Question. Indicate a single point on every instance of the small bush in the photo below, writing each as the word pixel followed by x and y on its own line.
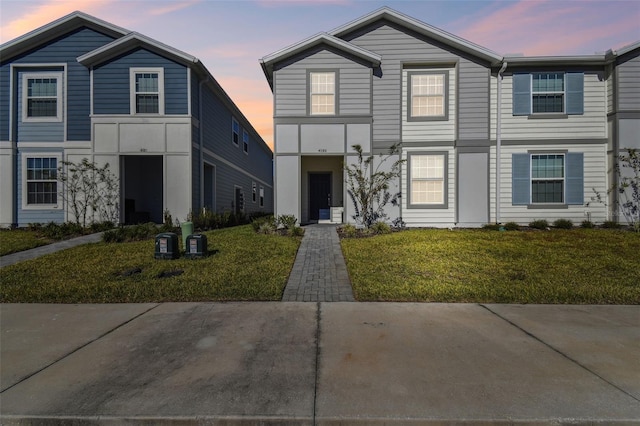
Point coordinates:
pixel 296 231
pixel 587 224
pixel 539 224
pixel 511 226
pixel 491 226
pixel 611 224
pixel 380 228
pixel 287 221
pixel 563 224
pixel 263 223
pixel 348 230
pixel 123 234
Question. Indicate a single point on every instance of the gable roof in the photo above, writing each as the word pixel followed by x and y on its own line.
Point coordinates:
pixel 132 41
pixel 420 27
pixel 319 39
pixel 56 29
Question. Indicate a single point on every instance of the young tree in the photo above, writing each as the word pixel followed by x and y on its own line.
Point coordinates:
pixel 368 185
pixel 89 190
pixel 627 187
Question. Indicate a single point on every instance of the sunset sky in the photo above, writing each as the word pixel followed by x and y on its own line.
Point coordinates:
pixel 229 37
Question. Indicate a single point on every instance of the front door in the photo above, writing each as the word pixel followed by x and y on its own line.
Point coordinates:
pixel 319 194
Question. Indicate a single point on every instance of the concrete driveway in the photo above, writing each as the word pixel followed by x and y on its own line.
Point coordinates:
pixel 324 364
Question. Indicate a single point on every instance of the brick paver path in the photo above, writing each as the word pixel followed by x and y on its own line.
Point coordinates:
pixel 319 273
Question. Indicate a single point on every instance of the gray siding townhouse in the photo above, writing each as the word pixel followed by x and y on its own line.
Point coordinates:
pixel 486 138
pixel 81 87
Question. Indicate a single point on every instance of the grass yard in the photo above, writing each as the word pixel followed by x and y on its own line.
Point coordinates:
pixel 581 266
pixel 245 266
pixel 15 240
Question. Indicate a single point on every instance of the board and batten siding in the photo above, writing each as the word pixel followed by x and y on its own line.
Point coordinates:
pixel 628 78
pixel 595 177
pixel 590 125
pixel 399 47
pixel 431 130
pixel 111 91
pixel 353 91
pixel 438 217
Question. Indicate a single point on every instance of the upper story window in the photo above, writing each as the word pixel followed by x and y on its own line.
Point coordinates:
pixel 147 90
pixel 548 94
pixel 42 97
pixel 235 131
pixel 427 95
pixel 245 141
pixel 323 93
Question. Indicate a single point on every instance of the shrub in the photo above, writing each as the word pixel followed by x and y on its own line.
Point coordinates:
pixel 380 228
pixel 587 224
pixel 611 224
pixel 264 225
pixel 287 221
pixel 296 231
pixel 563 224
pixel 123 234
pixel 539 224
pixel 511 226
pixel 491 226
pixel 348 230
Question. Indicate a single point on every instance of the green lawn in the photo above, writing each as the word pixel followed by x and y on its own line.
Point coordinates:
pixel 15 240
pixel 579 266
pixel 246 266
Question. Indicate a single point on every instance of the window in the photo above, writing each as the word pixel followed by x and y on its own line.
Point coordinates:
pixel 261 196
pixel 235 130
pixel 245 141
pixel 547 178
pixel 253 192
pixel 427 176
pixel 41 187
pixel 547 92
pixel 323 95
pixel 147 90
pixel 42 97
pixel 427 95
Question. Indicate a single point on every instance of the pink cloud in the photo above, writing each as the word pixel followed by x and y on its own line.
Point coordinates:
pixel 173 7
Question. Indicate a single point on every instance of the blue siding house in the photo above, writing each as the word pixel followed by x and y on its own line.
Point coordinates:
pixel 81 87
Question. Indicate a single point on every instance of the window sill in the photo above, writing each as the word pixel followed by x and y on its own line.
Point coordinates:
pixel 427 206
pixel 40 207
pixel 547 116
pixel 547 206
pixel 418 119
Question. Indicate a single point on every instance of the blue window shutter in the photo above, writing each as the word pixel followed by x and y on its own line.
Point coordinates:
pixel 521 94
pixel 575 93
pixel 575 178
pixel 520 182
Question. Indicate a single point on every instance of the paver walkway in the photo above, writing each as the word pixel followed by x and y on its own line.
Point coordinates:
pixel 319 273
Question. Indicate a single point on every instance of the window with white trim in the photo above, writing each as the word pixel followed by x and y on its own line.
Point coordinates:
pixel 547 92
pixel 235 131
pixel 40 181
pixel 427 180
pixel 547 178
pixel 245 141
pixel 428 95
pixel 322 93
pixel 42 97
pixel 147 90
pixel 262 196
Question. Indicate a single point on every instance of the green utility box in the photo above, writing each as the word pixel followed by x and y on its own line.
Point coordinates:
pixel 196 247
pixel 186 228
pixel 167 246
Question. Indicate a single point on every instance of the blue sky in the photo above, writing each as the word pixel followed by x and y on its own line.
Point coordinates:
pixel 229 37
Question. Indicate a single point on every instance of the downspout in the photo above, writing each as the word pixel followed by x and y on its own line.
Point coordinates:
pixel 201 141
pixel 499 139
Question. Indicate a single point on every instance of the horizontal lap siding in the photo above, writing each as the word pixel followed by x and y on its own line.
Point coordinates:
pixel 111 91
pixel 473 101
pixel 592 124
pixel 34 131
pixel 595 168
pixel 5 72
pixel 354 91
pixel 629 84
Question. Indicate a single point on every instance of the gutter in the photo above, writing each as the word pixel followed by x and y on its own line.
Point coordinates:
pixel 499 138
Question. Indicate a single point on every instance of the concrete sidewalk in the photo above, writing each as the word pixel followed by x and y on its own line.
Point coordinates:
pixel 319 363
pixel 33 253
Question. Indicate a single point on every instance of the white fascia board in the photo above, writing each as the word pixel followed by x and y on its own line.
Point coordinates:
pixel 422 28
pixel 129 42
pixel 55 29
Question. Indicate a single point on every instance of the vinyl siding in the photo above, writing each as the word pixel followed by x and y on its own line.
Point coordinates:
pixel 473 102
pixel 34 131
pixel 62 50
pixel 591 124
pixel 629 83
pixel 354 89
pixel 430 217
pixel 595 170
pixel 111 83
pixel 397 46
